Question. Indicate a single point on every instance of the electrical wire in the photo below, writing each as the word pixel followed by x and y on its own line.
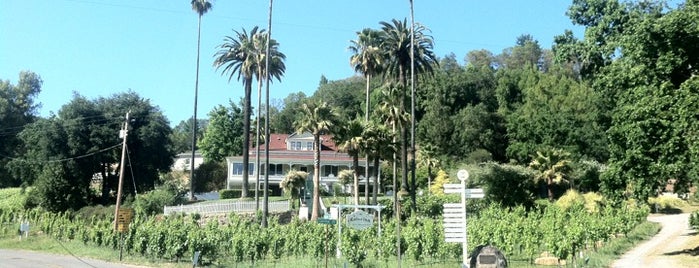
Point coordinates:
pixel 63 159
pixel 71 253
pixel 133 179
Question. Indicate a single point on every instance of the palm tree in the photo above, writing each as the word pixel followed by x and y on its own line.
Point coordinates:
pixel 378 146
pixel 277 69
pixel 238 55
pixel 427 159
pixel 316 118
pixel 348 138
pixel 406 48
pixel 391 112
pixel 292 183
pixel 201 7
pixel 552 166
pixel 367 59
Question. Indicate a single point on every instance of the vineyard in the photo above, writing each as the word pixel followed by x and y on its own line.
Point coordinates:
pixel 516 231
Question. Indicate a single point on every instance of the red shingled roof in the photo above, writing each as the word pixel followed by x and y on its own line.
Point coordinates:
pixel 277 142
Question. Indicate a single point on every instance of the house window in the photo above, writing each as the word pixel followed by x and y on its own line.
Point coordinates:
pixel 277 169
pixel 298 146
pixel 331 170
pixel 309 146
pixel 238 169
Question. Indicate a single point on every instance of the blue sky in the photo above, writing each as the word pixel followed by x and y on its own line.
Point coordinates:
pixel 102 47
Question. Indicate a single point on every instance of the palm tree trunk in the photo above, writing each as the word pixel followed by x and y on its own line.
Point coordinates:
pixel 316 177
pixel 429 178
pixel 194 118
pixel 257 139
pixel 265 208
pixel 413 185
pixel 246 137
pixel 355 163
pixel 366 120
pixel 403 136
pixel 376 179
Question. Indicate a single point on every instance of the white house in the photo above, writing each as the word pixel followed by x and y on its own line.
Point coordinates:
pixel 183 160
pixel 295 151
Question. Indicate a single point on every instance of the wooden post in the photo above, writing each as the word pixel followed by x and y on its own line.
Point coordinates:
pixel 124 133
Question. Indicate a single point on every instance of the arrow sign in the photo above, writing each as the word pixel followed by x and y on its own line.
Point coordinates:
pixel 475 193
pixel 453 188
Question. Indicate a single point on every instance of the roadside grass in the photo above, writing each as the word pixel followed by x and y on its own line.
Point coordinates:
pixel 613 250
pixel 43 243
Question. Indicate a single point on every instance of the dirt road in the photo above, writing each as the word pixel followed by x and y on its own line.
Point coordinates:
pixel 661 250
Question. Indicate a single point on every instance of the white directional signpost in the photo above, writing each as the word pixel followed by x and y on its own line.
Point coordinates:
pixel 455 213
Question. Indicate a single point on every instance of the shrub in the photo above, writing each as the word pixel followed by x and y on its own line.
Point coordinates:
pixel 509 185
pixel 571 199
pixel 593 202
pixel 666 204
pixel 228 193
pixel 694 220
pixel 586 175
pixel 152 202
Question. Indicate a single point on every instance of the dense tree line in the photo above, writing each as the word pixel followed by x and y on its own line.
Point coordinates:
pixel 623 95
pixel 62 155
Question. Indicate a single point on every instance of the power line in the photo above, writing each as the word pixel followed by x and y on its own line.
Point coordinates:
pixel 63 159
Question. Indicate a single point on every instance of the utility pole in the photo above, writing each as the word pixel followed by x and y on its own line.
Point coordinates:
pixel 123 133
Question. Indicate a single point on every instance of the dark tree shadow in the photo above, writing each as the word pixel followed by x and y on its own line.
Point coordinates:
pixel 689 251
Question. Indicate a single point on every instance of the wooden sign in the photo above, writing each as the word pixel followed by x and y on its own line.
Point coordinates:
pixel 124 217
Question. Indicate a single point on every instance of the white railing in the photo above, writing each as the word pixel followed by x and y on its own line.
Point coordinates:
pixel 225 206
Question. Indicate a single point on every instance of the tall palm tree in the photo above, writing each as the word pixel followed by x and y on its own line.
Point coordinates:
pixel 391 113
pixel 238 55
pixel 367 59
pixel 348 138
pixel 201 7
pixel 378 146
pixel 317 118
pixel 406 50
pixel 277 69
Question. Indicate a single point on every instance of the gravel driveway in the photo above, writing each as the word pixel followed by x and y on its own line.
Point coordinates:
pixel 658 251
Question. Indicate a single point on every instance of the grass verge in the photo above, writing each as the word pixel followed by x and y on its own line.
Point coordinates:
pixel 613 250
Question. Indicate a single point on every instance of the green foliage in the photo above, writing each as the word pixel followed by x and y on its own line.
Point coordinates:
pixel 572 199
pixel 13 198
pixel 508 185
pixel 586 175
pixel 69 150
pixel 292 184
pixel 210 176
pixel 559 112
pixel 437 187
pixel 666 204
pixel 182 134
pixel 152 202
pixel 228 193
pixel 694 220
pixel 283 120
pixel 17 108
pixel 224 135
